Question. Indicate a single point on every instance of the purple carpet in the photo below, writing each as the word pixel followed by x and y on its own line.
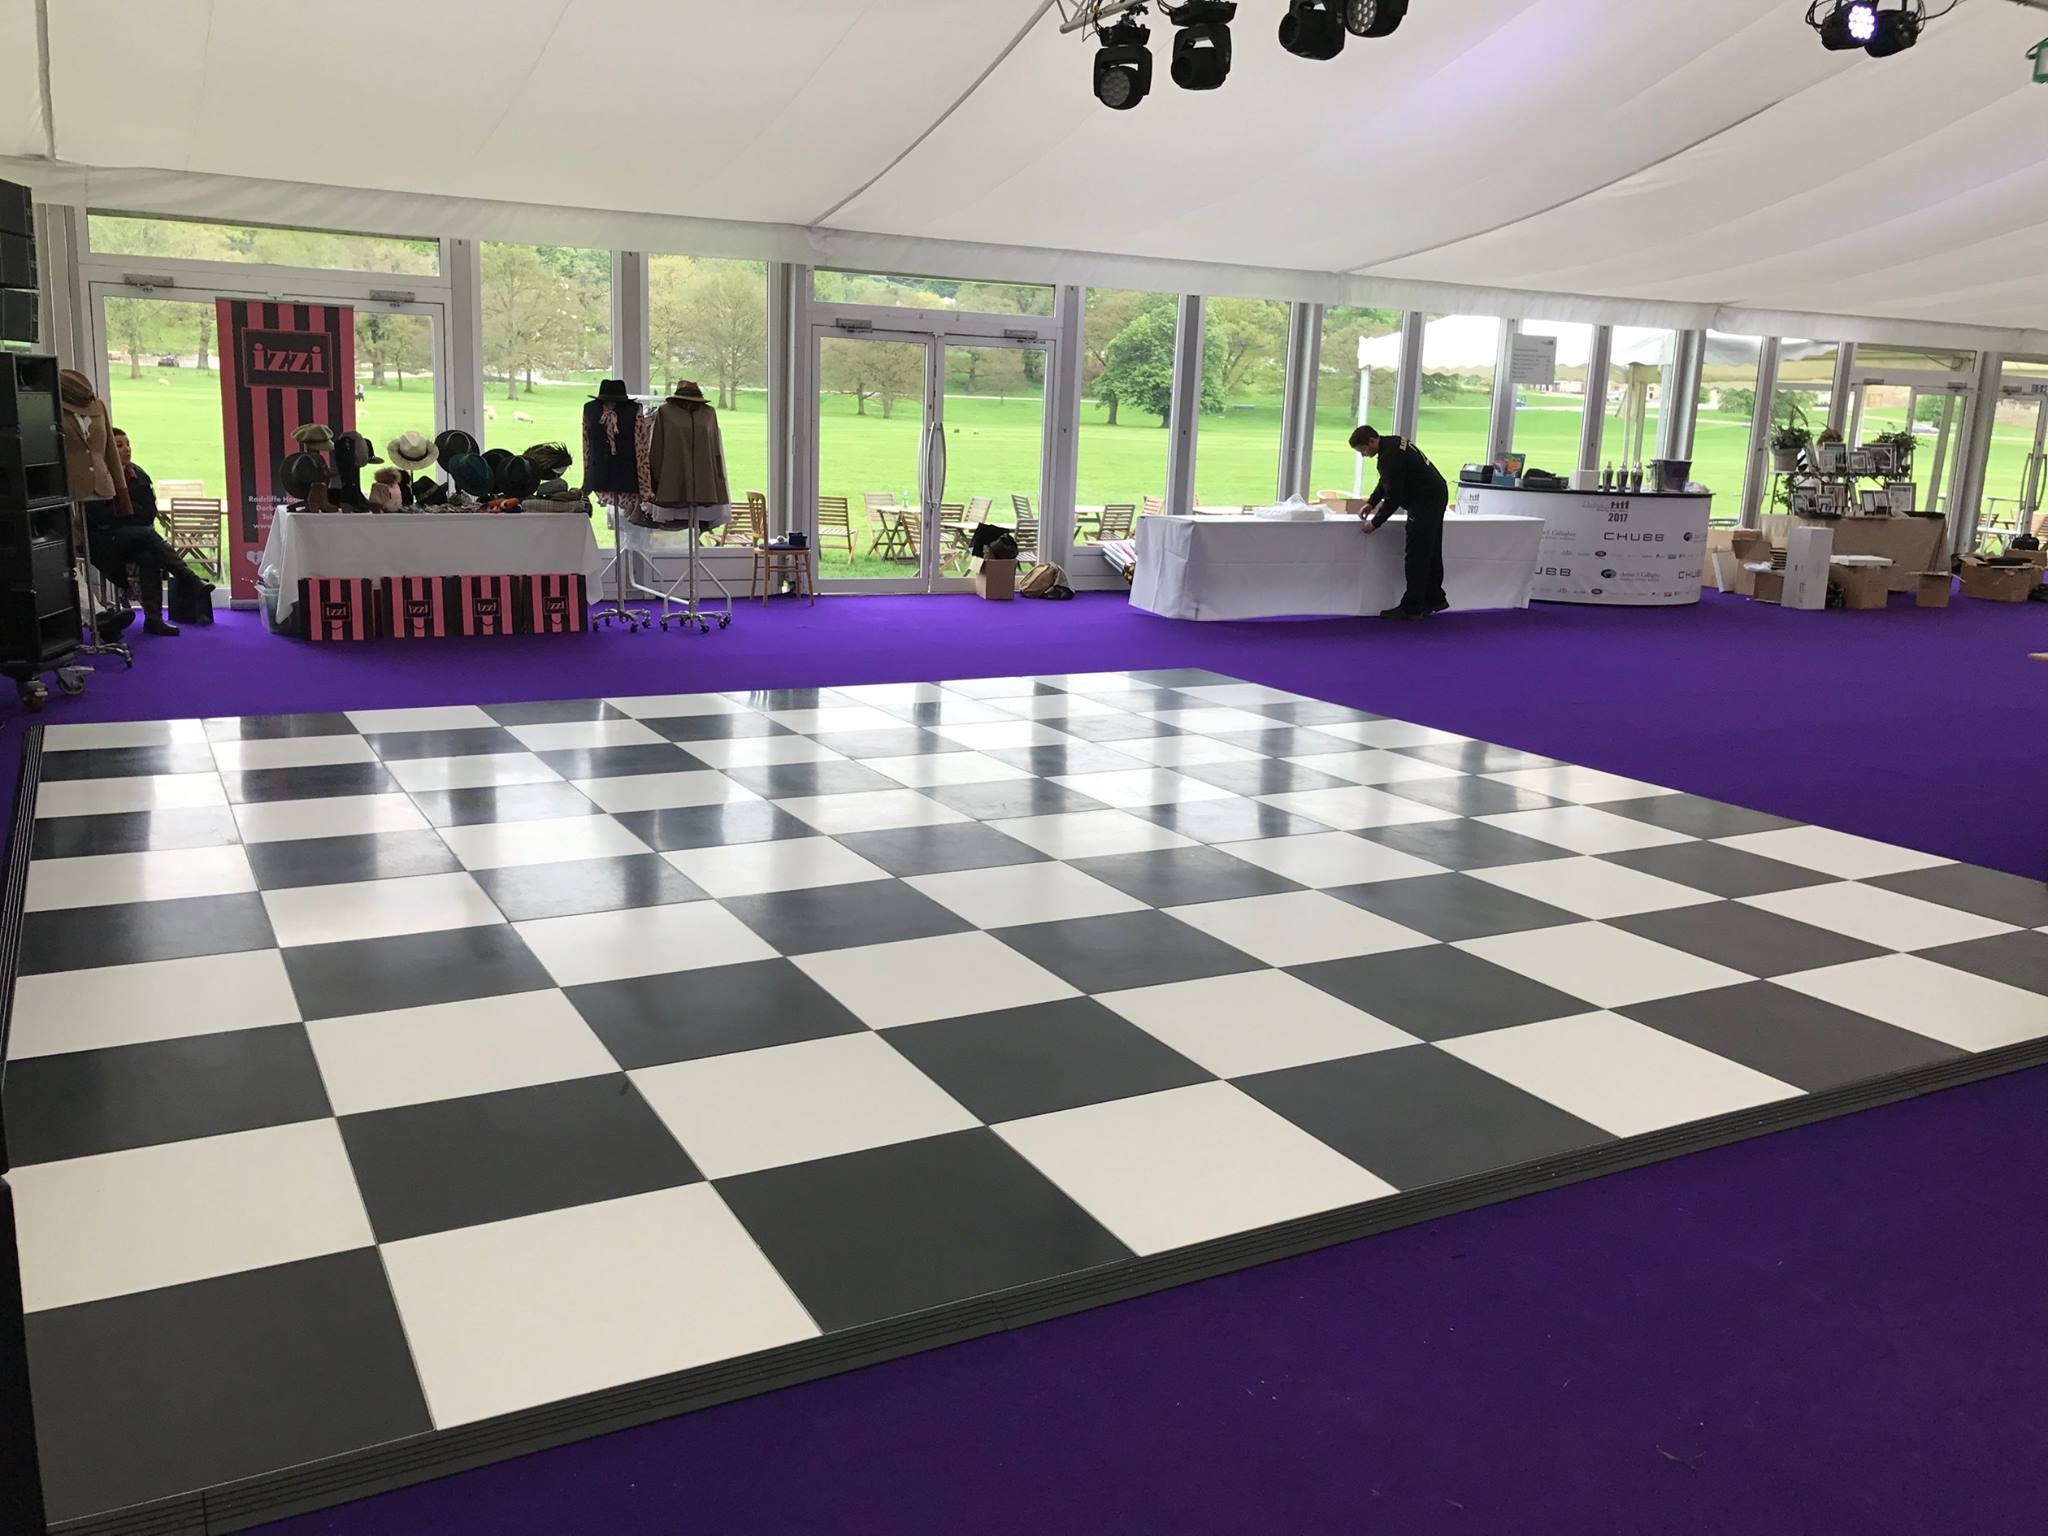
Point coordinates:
pixel 1833 1329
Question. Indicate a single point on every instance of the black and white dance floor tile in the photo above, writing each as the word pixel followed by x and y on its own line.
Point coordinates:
pixel 389 1071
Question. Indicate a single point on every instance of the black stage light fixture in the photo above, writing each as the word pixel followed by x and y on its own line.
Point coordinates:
pixel 1123 66
pixel 1893 32
pixel 1313 29
pixel 1849 25
pixel 1373 18
pixel 1201 43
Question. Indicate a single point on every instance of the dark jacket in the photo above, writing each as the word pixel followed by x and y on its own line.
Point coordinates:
pixel 1408 482
pixel 611 453
pixel 141 497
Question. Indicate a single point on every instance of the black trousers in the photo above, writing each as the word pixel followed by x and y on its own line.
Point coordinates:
pixel 113 544
pixel 1424 562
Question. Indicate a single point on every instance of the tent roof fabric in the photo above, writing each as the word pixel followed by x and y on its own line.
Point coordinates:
pixel 1623 150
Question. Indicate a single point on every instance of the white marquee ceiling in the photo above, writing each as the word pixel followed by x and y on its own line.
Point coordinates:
pixel 1698 153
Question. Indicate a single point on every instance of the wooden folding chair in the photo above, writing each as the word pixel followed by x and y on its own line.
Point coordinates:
pixel 1155 506
pixel 885 525
pixel 192 528
pixel 835 521
pixel 1027 537
pixel 1022 506
pixel 978 508
pixel 954 533
pixel 1115 522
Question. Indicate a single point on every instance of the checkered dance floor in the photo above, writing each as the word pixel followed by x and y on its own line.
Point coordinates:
pixel 377 1076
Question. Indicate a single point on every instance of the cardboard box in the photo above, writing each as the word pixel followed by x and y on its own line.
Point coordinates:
pixel 1337 501
pixel 1999 583
pixel 341 608
pixel 995 580
pixel 1809 553
pixel 1933 590
pixel 1767 586
pixel 2031 556
pixel 1863 586
pixel 1748 546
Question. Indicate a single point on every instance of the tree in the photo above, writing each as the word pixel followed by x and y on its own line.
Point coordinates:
pixel 204 319
pixel 668 279
pixel 1344 327
pixel 1003 371
pixel 1252 335
pixel 129 322
pixel 894 369
pixel 532 315
pixel 1736 402
pixel 845 374
pixel 725 326
pixel 374 336
pixel 412 346
pixel 1139 362
pixel 1109 311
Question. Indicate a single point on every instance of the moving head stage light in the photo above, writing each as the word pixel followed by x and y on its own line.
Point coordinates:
pixel 1869 25
pixel 1313 29
pixel 1201 43
pixel 1123 66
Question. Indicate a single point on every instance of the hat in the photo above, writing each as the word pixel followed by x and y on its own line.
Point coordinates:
pixel 75 387
pixel 365 450
pixel 496 457
pixel 514 477
pixel 471 474
pixel 549 458
pixel 314 437
pixel 612 389
pixel 688 393
pixel 556 489
pixel 411 450
pixel 301 472
pixel 454 441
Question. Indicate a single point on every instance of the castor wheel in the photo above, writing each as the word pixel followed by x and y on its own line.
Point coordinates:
pixel 725 621
pixel 34 695
pixel 71 680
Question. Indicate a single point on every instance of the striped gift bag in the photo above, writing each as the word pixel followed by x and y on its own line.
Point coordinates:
pixel 418 606
pixel 340 608
pixel 554 605
pixel 486 605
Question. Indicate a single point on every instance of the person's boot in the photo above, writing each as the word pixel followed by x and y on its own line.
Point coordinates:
pixel 112 621
pixel 1402 611
pixel 157 624
pixel 1441 605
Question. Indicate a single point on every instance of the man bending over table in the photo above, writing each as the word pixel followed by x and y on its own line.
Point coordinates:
pixel 1409 483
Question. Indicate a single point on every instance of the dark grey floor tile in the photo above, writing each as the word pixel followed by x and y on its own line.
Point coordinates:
pixel 79 937
pixel 1463 844
pixel 527 891
pixel 1747 939
pixel 910 741
pixel 344 860
pixel 898 1229
pixel 1183 677
pixel 1267 776
pixel 1130 949
pixel 791 698
pixel 74 837
pixel 1418 1116
pixel 412 971
pixel 684 729
pixel 2017 959
pixel 611 762
pixel 1111 729
pixel 906 851
pixel 494 1156
pixel 1012 798
pixel 1052 762
pixel 319 782
pixel 1018 1062
pixel 505 802
pixel 844 916
pixel 278 727
pixel 1454 906
pixel 796 781
pixel 552 711
pixel 1314 712
pixel 1228 821
pixel 1469 796
pixel 648 1021
pixel 86 1102
pixel 1440 992
pixel 712 826
pixel 166 1391
pixel 398 746
pixel 1173 877
pixel 1968 888
pixel 1718 869
pixel 127 762
pixel 1787 1035
pixel 956 709
pixel 1478 757
pixel 1696 816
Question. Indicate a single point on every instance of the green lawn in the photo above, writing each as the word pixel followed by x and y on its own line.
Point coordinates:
pixel 173 417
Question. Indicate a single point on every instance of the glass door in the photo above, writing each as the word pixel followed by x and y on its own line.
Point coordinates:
pixel 2016 477
pixel 993 421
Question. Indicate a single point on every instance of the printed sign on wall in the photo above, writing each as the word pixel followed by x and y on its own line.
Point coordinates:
pixel 282 366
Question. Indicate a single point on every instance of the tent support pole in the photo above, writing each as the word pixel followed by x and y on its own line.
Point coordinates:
pixel 1756 469
pixel 1593 425
pixel 1186 406
pixel 1298 403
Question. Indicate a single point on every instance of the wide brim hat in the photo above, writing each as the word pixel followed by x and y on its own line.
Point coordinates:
pixel 75 387
pixel 471 474
pixel 514 477
pixel 453 442
pixel 688 393
pixel 550 458
pixel 314 437
pixel 496 457
pixel 613 389
pixel 366 451
pixel 412 450
pixel 301 472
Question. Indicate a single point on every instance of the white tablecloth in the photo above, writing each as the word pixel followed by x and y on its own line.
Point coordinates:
pixel 306 544
pixel 1250 568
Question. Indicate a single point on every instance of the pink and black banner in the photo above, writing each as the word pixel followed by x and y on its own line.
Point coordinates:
pixel 282 366
pixel 554 605
pixel 419 606
pixel 341 607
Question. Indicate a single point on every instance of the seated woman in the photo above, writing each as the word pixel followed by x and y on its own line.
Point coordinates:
pixel 115 541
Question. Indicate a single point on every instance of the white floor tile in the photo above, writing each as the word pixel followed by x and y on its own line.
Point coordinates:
pixel 1142 787
pixel 98 880
pixel 1084 834
pixel 1013 894
pixel 993 687
pixel 1255 1021
pixel 1374 765
pixel 375 1061
pixel 378 909
pixel 1327 859
pixel 1182 751
pixel 121 1222
pixel 676 706
pixel 1833 853
pixel 762 752
pixel 664 791
pixel 146 792
pixel 836 717
pixel 884 985
pixel 893 696
pixel 779 864
pixel 871 810
pixel 1389 733
pixel 251 755
pixel 1297 927
pixel 524 1312
pixel 1581 786
pixel 557 840
pixel 1355 807
pixel 1053 706
pixel 750 1110
pixel 1217 720
pixel 928 770
pixel 1606 967
pixel 996 735
pixel 1968 1011
pixel 480 770
pixel 122 733
pixel 1624 1077
pixel 1097 682
pixel 583 735
pixel 1585 829
pixel 641 941
pixel 157 1000
pixel 277 821
pixel 449 717
pixel 1244 695
pixel 1164 1170
pixel 1878 916
pixel 1593 887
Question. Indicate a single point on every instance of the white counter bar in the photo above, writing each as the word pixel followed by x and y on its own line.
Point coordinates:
pixel 1643 550
pixel 1229 567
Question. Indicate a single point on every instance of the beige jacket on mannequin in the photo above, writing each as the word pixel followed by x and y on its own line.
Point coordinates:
pixel 686 456
pixel 91 463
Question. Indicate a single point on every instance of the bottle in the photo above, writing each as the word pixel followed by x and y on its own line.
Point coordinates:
pixel 1607 476
pixel 1635 480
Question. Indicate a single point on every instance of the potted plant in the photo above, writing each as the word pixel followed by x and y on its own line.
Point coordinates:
pixel 1787 444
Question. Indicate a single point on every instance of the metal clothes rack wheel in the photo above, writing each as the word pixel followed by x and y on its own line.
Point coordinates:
pixel 690 610
pixel 613 610
pixel 95 644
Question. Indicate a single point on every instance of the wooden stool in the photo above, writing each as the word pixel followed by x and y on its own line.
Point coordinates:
pixel 773 565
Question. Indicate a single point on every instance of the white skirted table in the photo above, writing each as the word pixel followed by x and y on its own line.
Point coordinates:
pixel 1231 567
pixel 310 545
